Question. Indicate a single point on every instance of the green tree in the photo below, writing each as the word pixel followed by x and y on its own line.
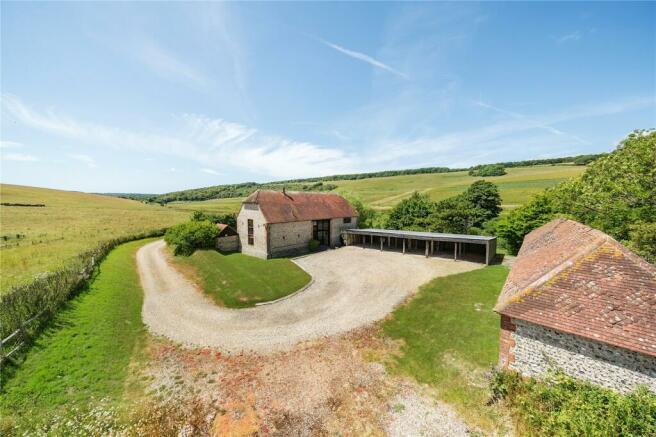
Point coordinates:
pixel 484 202
pixel 367 216
pixel 519 222
pixel 187 237
pixel 487 170
pixel 413 213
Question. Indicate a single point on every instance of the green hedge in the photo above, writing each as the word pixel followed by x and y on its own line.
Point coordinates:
pixel 559 405
pixel 49 291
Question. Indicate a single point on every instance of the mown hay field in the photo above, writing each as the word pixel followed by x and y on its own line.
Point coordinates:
pixel 516 187
pixel 216 206
pixel 34 240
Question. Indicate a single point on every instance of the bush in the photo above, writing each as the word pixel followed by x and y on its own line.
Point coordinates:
pixel 560 405
pixel 512 228
pixel 487 170
pixel 313 245
pixel 187 237
pixel 202 216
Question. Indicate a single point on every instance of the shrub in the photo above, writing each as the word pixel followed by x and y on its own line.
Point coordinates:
pixel 512 228
pixel 313 245
pixel 488 170
pixel 187 237
pixel 562 406
pixel 201 216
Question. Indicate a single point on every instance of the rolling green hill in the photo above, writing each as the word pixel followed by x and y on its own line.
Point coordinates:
pixel 34 240
pixel 382 193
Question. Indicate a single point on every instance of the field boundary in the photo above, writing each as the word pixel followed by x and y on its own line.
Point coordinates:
pixel 40 299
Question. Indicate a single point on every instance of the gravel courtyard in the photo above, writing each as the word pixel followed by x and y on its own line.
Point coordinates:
pixel 352 287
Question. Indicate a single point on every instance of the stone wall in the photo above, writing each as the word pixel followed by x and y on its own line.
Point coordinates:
pixel 259 246
pixel 289 238
pixel 537 349
pixel 337 225
pixel 228 244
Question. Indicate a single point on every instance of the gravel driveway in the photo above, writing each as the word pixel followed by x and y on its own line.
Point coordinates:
pixel 352 287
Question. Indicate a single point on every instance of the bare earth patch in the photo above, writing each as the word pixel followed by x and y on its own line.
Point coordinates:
pixel 352 288
pixel 324 387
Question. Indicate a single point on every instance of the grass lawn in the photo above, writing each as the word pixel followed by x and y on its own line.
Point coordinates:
pixel 70 224
pixel 85 353
pixel 238 281
pixel 450 338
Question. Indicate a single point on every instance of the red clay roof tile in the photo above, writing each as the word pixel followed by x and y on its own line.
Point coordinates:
pixel 575 279
pixel 293 206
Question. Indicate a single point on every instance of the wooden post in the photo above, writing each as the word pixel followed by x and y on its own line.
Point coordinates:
pixel 404 246
pixel 364 240
pixel 432 246
pixel 381 244
pixel 455 251
pixel 487 253
pixel 426 248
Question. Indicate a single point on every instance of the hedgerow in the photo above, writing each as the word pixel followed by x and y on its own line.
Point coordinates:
pixel 47 292
pixel 559 405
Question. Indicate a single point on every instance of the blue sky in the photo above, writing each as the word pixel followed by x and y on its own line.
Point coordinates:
pixel 155 97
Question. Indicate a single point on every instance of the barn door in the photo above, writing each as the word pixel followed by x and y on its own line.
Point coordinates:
pixel 321 231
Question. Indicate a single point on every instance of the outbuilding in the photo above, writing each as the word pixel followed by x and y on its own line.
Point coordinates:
pixel 579 301
pixel 228 239
pixel 282 223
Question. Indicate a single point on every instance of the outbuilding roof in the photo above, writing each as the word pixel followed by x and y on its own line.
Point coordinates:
pixel 296 206
pixel 575 279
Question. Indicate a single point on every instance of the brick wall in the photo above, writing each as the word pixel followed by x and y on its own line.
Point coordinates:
pixel 506 342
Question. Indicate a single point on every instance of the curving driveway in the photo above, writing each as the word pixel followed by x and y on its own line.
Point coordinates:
pixel 352 287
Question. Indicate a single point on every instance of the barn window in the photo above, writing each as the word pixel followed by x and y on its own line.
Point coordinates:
pixel 347 219
pixel 251 240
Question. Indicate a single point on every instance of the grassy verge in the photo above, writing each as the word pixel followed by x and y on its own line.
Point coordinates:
pixel 84 355
pixel 238 281
pixel 450 338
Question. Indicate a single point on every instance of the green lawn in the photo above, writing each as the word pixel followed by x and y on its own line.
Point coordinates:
pixel 85 353
pixel 238 281
pixel 450 339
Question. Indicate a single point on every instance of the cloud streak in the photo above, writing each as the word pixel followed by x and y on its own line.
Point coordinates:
pixel 569 37
pixel 20 157
pixel 364 58
pixel 208 141
pixel 85 159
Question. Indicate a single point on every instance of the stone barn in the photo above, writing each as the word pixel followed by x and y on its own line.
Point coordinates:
pixel 274 223
pixel 577 300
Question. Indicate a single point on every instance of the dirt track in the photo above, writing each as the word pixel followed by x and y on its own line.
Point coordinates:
pixel 352 287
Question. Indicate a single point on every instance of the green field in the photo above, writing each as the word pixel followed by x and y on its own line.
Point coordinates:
pixel 239 281
pixel 36 240
pixel 516 187
pixel 217 206
pixel 85 354
pixel 382 193
pixel 451 339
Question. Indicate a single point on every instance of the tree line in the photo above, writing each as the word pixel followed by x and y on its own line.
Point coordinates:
pixel 322 183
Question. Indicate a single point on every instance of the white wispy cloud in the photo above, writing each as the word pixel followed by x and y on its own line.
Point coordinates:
pixel 168 65
pixel 209 141
pixel 85 159
pixel 23 157
pixel 210 171
pixel 568 37
pixel 364 58
pixel 10 144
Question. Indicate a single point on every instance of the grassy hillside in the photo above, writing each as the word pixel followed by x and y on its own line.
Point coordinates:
pixel 35 240
pixel 384 192
pixel 516 187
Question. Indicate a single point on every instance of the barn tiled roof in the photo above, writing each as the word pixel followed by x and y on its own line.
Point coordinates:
pixel 575 279
pixel 295 206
